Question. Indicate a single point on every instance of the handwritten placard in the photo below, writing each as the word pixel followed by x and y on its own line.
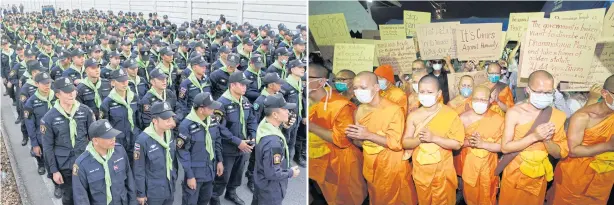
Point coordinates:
pixel 398 53
pixel 479 77
pixel 518 24
pixel 354 57
pixel 580 15
pixel 602 68
pixel 328 29
pixel 563 48
pixel 413 18
pixel 392 32
pixel 608 26
pixel 437 40
pixel 479 41
pixel 368 41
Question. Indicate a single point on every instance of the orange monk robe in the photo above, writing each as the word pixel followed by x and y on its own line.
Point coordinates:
pixel 397 96
pixel 459 106
pixel 436 183
pixel 586 180
pixel 479 182
pixel 505 96
pixel 388 175
pixel 336 167
pixel 518 187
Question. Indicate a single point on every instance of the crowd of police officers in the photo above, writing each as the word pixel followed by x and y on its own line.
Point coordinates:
pixel 112 105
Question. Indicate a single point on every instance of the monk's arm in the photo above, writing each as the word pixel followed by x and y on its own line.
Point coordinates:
pixel 553 149
pixel 377 139
pixel 512 55
pixel 325 134
pixel 447 143
pixel 578 122
pixel 502 105
pixel 508 145
pixel 490 146
pixel 409 142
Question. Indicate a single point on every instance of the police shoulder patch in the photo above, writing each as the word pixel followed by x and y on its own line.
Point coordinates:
pixel 101 115
pixel 23 98
pixel 256 106
pixel 277 159
pixel 12 73
pixel 75 169
pixel 43 129
pixel 25 114
pixel 182 92
pixel 137 155
pixel 179 143
pixel 146 107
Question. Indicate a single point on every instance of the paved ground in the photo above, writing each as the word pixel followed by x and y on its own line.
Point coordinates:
pixel 39 189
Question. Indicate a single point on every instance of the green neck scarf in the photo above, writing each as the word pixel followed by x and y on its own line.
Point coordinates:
pixel 227 95
pixel 263 54
pixel 241 52
pixel 126 103
pixel 105 165
pixel 258 80
pixel 136 82
pixel 167 71
pixel 208 141
pixel 165 143
pixel 265 92
pixel 71 119
pixel 265 129
pixel 62 67
pixel 80 71
pixel 196 82
pixel 295 82
pixel 47 99
pixel 155 93
pixel 222 62
pixel 280 67
pixel 143 65
pixel 288 44
pixel 94 87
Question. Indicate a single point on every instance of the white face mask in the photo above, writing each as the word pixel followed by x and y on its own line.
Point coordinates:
pixel 415 86
pixel 363 96
pixel 437 66
pixel 479 107
pixel 541 101
pixel 427 100
pixel 611 106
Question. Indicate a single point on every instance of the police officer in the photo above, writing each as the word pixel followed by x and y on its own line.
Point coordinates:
pixel 17 68
pixel 245 52
pixel 157 93
pixel 137 84
pixel 27 89
pixel 154 153
pixel 222 59
pixel 286 42
pixel 279 66
pixel 93 89
pixel 298 50
pixel 101 174
pixel 272 83
pixel 145 62
pixel 76 69
pixel 114 64
pixel 254 73
pixel 97 54
pixel 215 47
pixel 199 150
pixel 220 77
pixel 181 57
pixel 6 60
pixel 196 83
pixel 238 130
pixel 167 67
pixel 126 51
pixel 272 155
pixel 47 56
pixel 120 108
pixel 292 91
pixel 65 135
pixel 63 63
pixel 263 50
pixel 37 106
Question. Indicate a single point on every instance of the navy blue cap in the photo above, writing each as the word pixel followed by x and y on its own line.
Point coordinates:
pixel 43 78
pixel 233 60
pixel 256 59
pixel 91 62
pixel 157 73
pixel 296 63
pixel 102 129
pixel 239 77
pixel 119 75
pixel 277 101
pixel 64 84
pixel 205 99
pixel 198 60
pixel 162 110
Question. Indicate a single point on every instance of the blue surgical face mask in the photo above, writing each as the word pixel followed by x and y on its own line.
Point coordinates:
pixel 284 62
pixel 465 92
pixel 382 84
pixel 493 78
pixel 341 87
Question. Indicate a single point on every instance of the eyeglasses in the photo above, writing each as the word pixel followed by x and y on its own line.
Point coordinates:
pixel 314 77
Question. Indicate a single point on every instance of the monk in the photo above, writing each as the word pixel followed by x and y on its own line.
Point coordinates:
pixel 525 177
pixel 502 98
pixel 413 102
pixel 343 84
pixel 385 80
pixel 379 127
pixel 461 102
pixel 587 175
pixel 433 131
pixel 335 163
pixel 483 131
pixel 405 78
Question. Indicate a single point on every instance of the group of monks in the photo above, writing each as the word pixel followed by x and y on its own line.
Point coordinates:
pixel 403 145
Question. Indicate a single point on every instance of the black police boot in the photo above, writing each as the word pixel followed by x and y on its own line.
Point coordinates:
pixel 214 201
pixel 18 121
pixel 250 186
pixel 41 170
pixel 300 162
pixel 232 196
pixel 24 141
pixel 57 192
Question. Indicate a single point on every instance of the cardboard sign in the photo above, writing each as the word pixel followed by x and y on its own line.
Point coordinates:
pixel 579 15
pixel 479 41
pixel 563 48
pixel 368 41
pixel 328 29
pixel 518 23
pixel 608 26
pixel 398 53
pixel 602 68
pixel 413 18
pixel 354 57
pixel 479 77
pixel 437 40
pixel 392 32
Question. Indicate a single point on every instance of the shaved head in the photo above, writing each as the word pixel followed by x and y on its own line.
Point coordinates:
pixel 368 77
pixel 466 80
pixel 609 84
pixel 318 70
pixel 429 80
pixel 418 74
pixel 480 91
pixel 346 74
pixel 417 65
pixel 494 68
pixel 541 78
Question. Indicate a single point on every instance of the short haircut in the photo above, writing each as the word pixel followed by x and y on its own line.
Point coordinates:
pixel 430 79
